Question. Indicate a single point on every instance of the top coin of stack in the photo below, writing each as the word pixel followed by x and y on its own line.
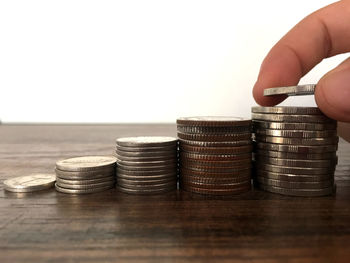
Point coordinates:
pixel 215 154
pixel 146 165
pixel 87 174
pixel 299 90
pixel 295 150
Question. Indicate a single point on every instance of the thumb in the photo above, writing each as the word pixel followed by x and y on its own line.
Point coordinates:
pixel 332 93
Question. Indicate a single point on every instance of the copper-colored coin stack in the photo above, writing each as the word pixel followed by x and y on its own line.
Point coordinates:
pixel 295 150
pixel 215 155
pixel 146 165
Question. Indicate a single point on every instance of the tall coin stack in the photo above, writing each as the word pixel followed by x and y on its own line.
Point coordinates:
pixel 215 155
pixel 295 150
pixel 146 165
pixel 84 175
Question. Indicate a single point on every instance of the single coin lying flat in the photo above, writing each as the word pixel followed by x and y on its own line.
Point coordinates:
pixel 308 89
pixel 30 183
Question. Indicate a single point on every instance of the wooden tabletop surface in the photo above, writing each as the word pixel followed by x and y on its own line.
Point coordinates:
pixel 48 226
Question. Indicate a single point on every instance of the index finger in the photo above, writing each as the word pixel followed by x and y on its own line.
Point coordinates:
pixel 322 34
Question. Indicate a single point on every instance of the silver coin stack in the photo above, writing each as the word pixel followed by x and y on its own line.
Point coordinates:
pixel 295 150
pixel 30 183
pixel 85 175
pixel 215 155
pixel 146 165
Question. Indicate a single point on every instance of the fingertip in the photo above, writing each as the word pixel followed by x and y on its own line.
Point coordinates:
pixel 280 68
pixel 332 95
pixel 258 94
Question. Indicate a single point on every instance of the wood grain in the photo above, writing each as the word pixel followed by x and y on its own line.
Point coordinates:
pixel 257 226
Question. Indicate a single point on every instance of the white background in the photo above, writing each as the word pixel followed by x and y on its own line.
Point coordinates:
pixel 139 61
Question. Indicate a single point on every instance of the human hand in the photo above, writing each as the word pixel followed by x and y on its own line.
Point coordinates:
pixel 322 34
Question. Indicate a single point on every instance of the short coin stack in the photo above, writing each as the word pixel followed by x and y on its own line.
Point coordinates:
pixel 84 175
pixel 295 150
pixel 30 183
pixel 215 155
pixel 146 165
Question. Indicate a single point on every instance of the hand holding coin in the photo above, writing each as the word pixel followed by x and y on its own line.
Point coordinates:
pixel 322 34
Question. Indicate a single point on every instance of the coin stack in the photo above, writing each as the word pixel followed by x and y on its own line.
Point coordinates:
pixel 30 183
pixel 84 175
pixel 215 155
pixel 295 150
pixel 146 165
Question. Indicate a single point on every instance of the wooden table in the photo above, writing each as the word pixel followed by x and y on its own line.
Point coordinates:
pixel 257 226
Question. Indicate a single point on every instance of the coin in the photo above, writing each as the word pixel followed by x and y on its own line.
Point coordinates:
pixel 216 143
pixel 168 184
pixel 295 185
pixel 298 192
pixel 294 170
pixel 216 150
pixel 146 177
pixel 210 121
pixel 85 175
pixel 146 141
pixel 147 163
pixel 294 126
pixel 82 191
pixel 141 154
pixel 167 167
pixel 301 156
pixel 296 148
pixel 298 141
pixel 211 157
pixel 155 158
pixel 30 183
pixel 307 89
pixel 171 170
pixel 297 133
pixel 297 163
pixel 86 163
pixel 215 169
pixel 207 163
pixel 146 191
pixel 85 181
pixel 215 138
pixel 142 186
pixel 294 177
pixel 213 130
pixel 288 110
pixel 144 150
pixel 215 180
pixel 216 191
pixel 216 186
pixel 86 186
pixel 246 171
pixel 138 181
pixel 133 185
pixel 292 118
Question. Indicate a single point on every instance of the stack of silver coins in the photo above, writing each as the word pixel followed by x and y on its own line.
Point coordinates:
pixel 295 150
pixel 215 155
pixel 30 183
pixel 146 165
pixel 84 175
